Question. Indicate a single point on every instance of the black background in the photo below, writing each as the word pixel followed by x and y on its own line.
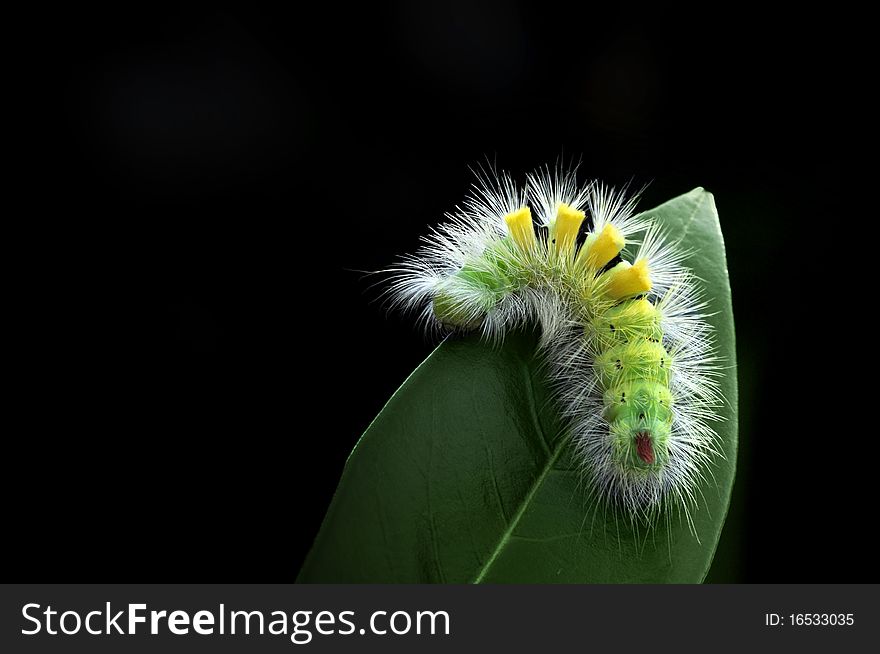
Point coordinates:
pixel 215 181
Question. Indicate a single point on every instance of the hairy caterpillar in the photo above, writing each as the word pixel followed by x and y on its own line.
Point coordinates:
pixel 631 355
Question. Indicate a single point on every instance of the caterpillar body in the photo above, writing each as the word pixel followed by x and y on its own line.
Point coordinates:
pixel 631 356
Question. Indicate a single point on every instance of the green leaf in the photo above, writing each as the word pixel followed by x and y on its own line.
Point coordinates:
pixel 466 476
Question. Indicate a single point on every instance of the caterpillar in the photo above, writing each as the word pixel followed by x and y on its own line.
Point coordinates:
pixel 630 353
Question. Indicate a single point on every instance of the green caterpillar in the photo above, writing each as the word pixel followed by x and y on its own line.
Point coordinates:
pixel 631 354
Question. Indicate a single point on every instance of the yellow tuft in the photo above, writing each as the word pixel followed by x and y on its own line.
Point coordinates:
pixel 520 224
pixel 628 279
pixel 601 248
pixel 568 222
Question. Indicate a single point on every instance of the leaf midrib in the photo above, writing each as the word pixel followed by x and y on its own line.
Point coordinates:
pixel 505 537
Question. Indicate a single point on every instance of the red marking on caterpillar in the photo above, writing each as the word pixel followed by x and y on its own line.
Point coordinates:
pixel 644 447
